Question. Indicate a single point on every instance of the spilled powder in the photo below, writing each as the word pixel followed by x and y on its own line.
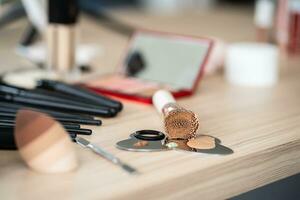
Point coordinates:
pixel 202 142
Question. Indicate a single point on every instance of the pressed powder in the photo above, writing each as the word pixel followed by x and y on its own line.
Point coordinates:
pixel 202 142
pixel 179 122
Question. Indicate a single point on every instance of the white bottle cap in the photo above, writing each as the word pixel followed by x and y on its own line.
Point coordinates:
pixel 161 98
pixel 252 64
pixel 264 13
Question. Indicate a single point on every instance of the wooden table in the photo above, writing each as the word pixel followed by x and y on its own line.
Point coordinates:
pixel 262 126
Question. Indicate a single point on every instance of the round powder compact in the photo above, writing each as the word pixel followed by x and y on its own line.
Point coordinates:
pixel 202 142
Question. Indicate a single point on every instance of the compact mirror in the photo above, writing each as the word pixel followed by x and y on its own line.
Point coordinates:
pixel 155 61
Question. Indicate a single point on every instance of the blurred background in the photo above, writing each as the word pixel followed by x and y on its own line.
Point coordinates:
pixel 118 18
pixel 107 25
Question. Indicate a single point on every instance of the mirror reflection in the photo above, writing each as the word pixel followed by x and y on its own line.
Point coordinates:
pixel 165 59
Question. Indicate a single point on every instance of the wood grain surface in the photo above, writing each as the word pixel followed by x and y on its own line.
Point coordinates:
pixel 262 125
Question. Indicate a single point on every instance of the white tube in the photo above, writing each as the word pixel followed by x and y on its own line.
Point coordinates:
pixel 161 98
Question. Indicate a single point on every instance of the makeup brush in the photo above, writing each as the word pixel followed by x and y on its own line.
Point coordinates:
pixel 12 115
pixel 11 120
pixel 105 112
pixel 179 122
pixel 84 95
pixel 10 123
pixel 67 119
pixel 13 107
pixel 43 143
pixel 47 96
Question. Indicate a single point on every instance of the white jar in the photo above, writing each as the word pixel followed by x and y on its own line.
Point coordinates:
pixel 252 64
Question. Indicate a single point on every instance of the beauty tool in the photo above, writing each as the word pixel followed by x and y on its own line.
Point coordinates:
pixel 7 139
pixel 179 122
pixel 50 96
pixel 82 94
pixel 70 128
pixel 12 108
pixel 151 141
pixel 43 143
pixel 108 156
pixel 15 98
pixel 140 72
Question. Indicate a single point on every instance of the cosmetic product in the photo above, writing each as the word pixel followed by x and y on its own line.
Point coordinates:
pixel 61 35
pixel 144 141
pixel 43 143
pixel 13 107
pixel 83 94
pixel 139 73
pixel 252 64
pixel 263 19
pixel 152 141
pixel 61 119
pixel 104 112
pixel 7 140
pixel 47 96
pixel 202 142
pixel 208 145
pixel 108 156
pixel 10 123
pixel 5 119
pixel 178 121
pixel 178 144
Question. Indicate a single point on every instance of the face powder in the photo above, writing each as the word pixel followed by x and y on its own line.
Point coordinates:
pixel 140 143
pixel 180 144
pixel 202 142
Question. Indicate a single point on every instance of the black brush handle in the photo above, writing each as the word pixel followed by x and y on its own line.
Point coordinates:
pixel 107 112
pixel 63 120
pixel 81 92
pixel 79 131
pixel 47 96
pixel 13 107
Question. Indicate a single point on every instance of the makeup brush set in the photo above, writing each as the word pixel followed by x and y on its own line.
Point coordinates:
pixel 71 105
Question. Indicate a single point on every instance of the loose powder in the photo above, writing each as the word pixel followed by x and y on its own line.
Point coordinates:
pixel 141 143
pixel 202 142
pixel 181 144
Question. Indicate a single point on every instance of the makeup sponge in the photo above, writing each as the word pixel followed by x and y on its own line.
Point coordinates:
pixel 43 143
